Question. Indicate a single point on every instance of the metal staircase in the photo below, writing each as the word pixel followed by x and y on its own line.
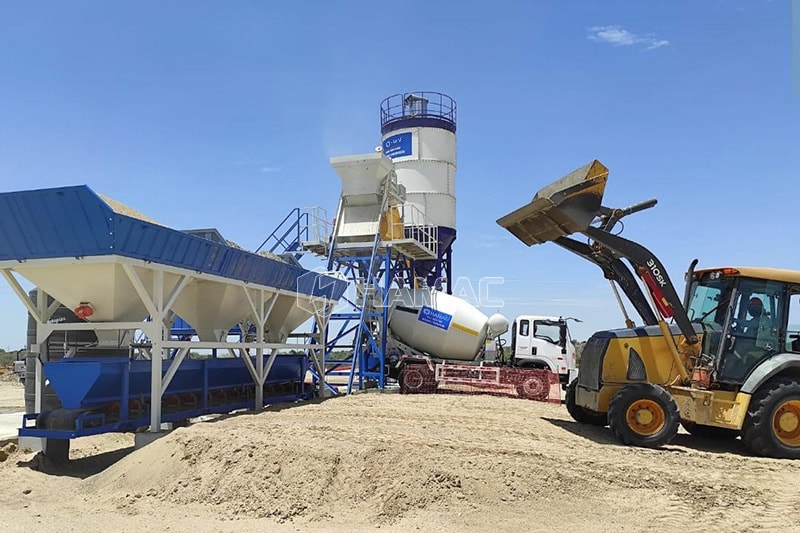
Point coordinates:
pixel 373 261
pixel 303 225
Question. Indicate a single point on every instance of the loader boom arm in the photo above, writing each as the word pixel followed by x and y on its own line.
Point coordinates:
pixel 572 205
pixel 615 270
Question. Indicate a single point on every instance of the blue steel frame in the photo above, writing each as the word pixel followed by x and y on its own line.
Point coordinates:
pixel 95 423
pixel 378 273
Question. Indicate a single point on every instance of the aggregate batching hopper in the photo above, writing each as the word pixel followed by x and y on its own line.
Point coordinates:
pixel 118 270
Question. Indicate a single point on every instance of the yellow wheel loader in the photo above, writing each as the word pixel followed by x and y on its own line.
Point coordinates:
pixel 726 365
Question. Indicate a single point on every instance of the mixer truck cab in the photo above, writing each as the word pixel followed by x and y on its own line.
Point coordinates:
pixel 543 342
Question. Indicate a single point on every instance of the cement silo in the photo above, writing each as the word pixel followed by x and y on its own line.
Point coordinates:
pixel 419 134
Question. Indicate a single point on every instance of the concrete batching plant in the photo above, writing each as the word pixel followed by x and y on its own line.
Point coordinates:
pixel 393 239
pixel 119 272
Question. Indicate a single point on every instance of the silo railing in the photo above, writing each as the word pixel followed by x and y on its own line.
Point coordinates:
pixel 423 108
pixel 415 226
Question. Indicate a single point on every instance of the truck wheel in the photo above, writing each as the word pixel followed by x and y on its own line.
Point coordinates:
pixel 772 424
pixel 415 379
pixel 709 432
pixel 535 387
pixel 643 414
pixel 581 414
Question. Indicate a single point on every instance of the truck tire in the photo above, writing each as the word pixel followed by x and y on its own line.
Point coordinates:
pixel 416 379
pixel 581 414
pixel 643 414
pixel 772 424
pixel 709 432
pixel 534 387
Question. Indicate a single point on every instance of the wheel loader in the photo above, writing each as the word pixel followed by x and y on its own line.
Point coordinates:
pixel 726 364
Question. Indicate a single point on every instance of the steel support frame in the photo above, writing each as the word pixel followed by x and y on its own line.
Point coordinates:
pixel 158 300
pixel 377 273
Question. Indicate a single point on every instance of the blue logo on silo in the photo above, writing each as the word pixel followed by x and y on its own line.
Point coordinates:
pixel 397 145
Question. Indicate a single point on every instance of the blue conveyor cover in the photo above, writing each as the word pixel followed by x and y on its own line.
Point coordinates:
pixel 75 222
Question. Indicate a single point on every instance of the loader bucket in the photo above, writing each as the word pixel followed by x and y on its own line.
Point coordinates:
pixel 566 206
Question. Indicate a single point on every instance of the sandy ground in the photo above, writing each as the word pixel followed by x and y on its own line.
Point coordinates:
pixel 399 463
pixel 12 394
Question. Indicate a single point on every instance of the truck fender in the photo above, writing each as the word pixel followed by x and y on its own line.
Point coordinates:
pixel 769 368
pixel 415 359
pixel 525 361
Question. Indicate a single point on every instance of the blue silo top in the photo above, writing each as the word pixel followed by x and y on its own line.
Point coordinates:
pixel 418 109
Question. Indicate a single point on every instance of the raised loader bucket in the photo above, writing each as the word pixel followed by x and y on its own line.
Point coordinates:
pixel 566 206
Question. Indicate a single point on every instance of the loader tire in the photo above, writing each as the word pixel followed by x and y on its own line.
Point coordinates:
pixel 644 415
pixel 772 424
pixel 581 414
pixel 709 432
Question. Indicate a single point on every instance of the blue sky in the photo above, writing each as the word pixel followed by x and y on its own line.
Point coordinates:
pixel 224 114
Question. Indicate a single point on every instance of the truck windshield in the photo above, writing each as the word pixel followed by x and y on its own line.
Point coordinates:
pixel 548 330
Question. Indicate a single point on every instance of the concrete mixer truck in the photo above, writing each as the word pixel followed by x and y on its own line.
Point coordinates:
pixel 437 341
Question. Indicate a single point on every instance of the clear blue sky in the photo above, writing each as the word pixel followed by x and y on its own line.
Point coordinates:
pixel 224 114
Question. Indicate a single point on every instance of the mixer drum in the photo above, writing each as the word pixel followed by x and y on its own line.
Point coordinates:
pixel 439 324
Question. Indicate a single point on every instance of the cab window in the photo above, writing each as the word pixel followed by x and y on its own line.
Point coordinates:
pixel 524 328
pixel 756 328
pixel 709 302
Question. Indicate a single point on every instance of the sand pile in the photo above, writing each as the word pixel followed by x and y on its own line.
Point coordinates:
pixel 384 458
pixel 432 463
pixel 251 466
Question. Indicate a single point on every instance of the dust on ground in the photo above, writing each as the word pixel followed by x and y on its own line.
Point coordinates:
pixel 399 463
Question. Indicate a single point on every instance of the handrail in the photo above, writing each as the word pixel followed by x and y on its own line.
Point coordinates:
pixel 301 224
pixel 416 226
pixel 419 104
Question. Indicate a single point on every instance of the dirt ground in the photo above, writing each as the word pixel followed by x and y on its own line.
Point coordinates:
pixel 398 463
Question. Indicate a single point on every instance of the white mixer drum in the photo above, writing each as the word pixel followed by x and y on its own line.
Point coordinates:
pixel 439 324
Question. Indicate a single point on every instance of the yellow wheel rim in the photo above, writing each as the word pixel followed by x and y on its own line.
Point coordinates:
pixel 645 417
pixel 786 423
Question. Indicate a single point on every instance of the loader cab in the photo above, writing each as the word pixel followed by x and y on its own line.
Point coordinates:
pixel 745 319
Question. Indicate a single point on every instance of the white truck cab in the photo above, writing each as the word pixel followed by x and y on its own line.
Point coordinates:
pixel 543 342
